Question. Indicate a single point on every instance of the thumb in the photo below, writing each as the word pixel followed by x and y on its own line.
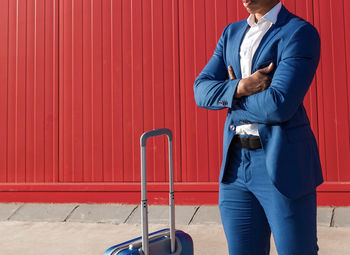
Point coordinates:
pixel 268 69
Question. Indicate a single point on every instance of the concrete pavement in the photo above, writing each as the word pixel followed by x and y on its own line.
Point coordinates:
pixel 90 229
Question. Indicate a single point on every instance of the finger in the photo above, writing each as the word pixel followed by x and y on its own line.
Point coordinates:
pixel 267 69
pixel 231 73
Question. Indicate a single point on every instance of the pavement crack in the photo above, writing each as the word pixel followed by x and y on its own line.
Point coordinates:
pixel 70 214
pixel 131 213
pixel 331 224
pixel 15 211
pixel 194 214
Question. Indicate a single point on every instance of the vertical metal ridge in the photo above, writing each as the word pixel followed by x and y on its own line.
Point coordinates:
pixel 7 89
pixel 72 91
pixel 92 84
pixel 206 60
pixel 216 36
pixel 142 121
pixel 194 69
pixel 226 13
pixel 16 94
pixel 112 91
pixel 61 87
pixel 323 107
pixel 183 80
pixel 122 90
pixel 44 85
pixel 82 92
pixel 35 87
pixel 216 33
pixel 142 66
pixel 132 87
pixel 153 79
pixel 216 17
pixel 25 104
pixel 315 77
pixel 321 94
pixel 102 144
pixel 163 85
pixel 177 56
pixel 54 66
pixel 142 59
pixel 334 89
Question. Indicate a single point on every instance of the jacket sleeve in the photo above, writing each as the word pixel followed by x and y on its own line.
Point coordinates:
pixel 211 91
pixel 290 82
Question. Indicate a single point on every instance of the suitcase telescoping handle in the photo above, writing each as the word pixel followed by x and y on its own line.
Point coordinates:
pixel 144 205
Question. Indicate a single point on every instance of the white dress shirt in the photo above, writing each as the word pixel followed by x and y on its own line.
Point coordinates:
pixel 249 45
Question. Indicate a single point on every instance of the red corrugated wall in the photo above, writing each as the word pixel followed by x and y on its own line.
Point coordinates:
pixel 80 80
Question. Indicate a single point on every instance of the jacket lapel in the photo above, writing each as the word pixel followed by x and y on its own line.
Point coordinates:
pixel 236 47
pixel 275 28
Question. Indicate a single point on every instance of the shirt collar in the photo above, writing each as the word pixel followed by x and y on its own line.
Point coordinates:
pixel 271 16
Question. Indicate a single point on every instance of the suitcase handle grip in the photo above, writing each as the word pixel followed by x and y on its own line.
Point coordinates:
pixel 144 204
pixel 155 132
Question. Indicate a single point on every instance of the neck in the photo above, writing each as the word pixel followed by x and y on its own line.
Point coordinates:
pixel 261 12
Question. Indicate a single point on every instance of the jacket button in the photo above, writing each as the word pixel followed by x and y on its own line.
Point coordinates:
pixel 232 127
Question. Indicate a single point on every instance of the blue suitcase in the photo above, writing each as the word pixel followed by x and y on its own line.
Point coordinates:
pixel 163 242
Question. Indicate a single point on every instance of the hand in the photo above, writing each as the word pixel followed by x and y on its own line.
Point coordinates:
pixel 255 83
pixel 231 73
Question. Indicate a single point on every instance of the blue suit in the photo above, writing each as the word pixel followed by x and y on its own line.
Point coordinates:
pixel 293 45
pixel 274 187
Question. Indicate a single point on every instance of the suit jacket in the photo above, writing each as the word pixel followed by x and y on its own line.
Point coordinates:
pixel 293 45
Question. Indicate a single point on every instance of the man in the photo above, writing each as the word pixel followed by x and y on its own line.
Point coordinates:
pixel 260 72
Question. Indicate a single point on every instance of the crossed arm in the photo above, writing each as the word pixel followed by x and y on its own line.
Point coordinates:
pixel 277 100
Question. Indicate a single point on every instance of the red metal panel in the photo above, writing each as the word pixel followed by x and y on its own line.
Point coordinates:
pixel 127 97
pixel 188 126
pixel 333 89
pixel 158 64
pixel 322 79
pixel 201 23
pixel 116 91
pixel 16 93
pixel 125 66
pixel 4 46
pixel 212 33
pixel 340 87
pixel 107 90
pixel 118 77
pixel 171 81
pixel 198 123
pixel 29 91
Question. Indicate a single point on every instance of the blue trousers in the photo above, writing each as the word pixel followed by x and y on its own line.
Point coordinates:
pixel 251 208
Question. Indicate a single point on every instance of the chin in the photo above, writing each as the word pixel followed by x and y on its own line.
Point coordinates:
pixel 251 10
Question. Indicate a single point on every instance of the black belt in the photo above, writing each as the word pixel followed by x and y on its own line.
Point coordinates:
pixel 249 142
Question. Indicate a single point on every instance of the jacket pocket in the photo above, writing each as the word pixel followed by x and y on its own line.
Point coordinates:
pixel 299 134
